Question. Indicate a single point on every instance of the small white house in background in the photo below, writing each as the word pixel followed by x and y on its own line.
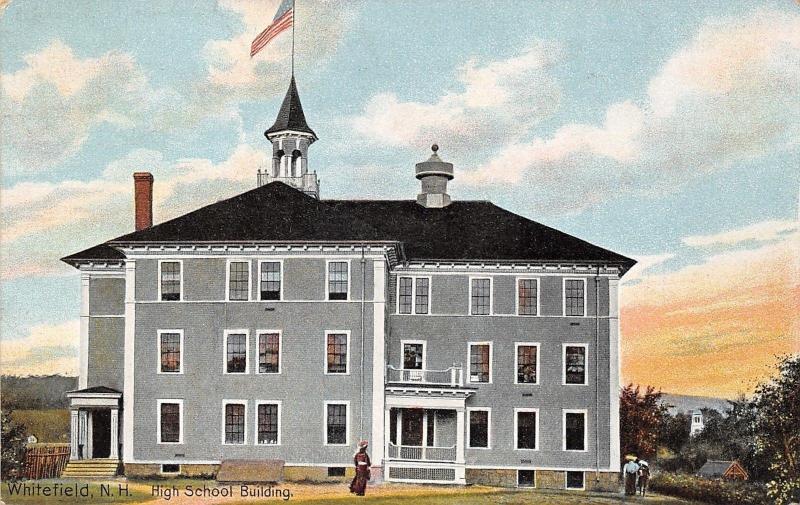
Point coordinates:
pixel 697 422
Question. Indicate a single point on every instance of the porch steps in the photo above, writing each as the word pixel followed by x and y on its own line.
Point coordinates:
pixel 90 468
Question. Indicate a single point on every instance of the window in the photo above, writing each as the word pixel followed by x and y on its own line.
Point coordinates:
pixel 170 427
pixel 478 434
pixel 269 352
pixel 528 297
pixel 480 362
pixel 413 355
pixel 270 280
pixel 575 480
pixel 239 280
pixel 526 428
pixel 337 280
pixel 575 364
pixel 413 295
pixel 170 468
pixel 337 344
pixel 336 423
pixel 481 297
pixel 526 478
pixel 236 351
pixel 170 350
pixel 234 422
pixel 574 297
pixel 268 422
pixel 574 430
pixel 170 282
pixel 336 471
pixel 527 363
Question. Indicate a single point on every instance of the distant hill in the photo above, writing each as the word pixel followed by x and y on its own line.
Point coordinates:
pixel 686 403
pixel 36 392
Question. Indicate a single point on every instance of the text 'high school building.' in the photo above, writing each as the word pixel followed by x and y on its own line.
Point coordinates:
pixel 466 343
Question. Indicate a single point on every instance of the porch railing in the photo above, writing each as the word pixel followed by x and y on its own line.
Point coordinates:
pixel 453 376
pixel 419 453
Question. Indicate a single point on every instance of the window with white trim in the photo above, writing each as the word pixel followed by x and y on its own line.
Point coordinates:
pixel 574 297
pixel 526 478
pixel 575 480
pixel 236 352
pixel 526 427
pixel 527 363
pixel 480 362
pixel 575 364
pixel 170 414
pixel 235 422
pixel 481 297
pixel 338 280
pixel 413 355
pixel 170 280
pixel 170 348
pixel 413 295
pixel 478 428
pixel 337 344
pixel 239 280
pixel 270 280
pixel 528 297
pixel 269 352
pixel 268 423
pixel 574 430
pixel 336 423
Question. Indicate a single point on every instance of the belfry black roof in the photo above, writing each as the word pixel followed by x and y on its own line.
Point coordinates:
pixel 291 116
pixel 464 230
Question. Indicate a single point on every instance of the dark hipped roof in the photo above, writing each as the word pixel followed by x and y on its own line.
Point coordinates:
pixel 473 230
pixel 291 116
pixel 96 389
pixel 464 230
pixel 273 212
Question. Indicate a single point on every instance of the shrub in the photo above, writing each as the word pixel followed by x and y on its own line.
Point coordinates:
pixel 715 491
pixel 13 447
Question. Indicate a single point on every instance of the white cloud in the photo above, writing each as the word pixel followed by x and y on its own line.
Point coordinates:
pixel 730 94
pixel 45 221
pixel 46 349
pixel 645 263
pixel 50 105
pixel 760 232
pixel 496 101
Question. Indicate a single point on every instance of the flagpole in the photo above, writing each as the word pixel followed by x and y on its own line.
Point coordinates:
pixel 294 18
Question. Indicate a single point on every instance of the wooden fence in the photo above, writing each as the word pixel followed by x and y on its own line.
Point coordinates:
pixel 45 461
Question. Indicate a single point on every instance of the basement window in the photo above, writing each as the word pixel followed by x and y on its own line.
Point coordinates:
pixel 336 471
pixel 526 478
pixel 575 480
pixel 170 468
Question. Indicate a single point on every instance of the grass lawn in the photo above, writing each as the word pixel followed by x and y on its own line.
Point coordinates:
pixel 387 494
pixel 49 425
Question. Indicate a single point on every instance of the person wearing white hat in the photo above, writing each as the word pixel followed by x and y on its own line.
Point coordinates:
pixel 644 476
pixel 362 463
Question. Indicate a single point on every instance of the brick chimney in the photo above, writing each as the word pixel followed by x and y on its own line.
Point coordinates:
pixel 143 199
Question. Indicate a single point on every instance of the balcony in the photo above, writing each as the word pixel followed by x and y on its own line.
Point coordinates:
pixel 422 453
pixel 450 377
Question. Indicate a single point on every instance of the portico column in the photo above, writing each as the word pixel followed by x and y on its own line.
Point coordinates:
pixel 82 418
pixel 89 435
pixel 114 454
pixel 460 472
pixel 73 434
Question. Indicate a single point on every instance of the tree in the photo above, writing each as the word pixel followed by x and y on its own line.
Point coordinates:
pixel 674 431
pixel 13 446
pixel 640 415
pixel 777 429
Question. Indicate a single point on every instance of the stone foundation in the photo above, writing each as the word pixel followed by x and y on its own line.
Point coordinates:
pixel 315 474
pixel 545 479
pixel 142 471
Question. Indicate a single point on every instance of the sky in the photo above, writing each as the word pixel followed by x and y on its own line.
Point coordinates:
pixel 666 131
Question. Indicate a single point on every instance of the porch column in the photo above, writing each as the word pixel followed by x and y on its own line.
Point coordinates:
pixel 82 418
pixel 73 434
pixel 114 454
pixel 89 435
pixel 460 472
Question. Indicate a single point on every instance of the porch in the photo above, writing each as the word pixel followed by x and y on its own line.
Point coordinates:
pixel 94 424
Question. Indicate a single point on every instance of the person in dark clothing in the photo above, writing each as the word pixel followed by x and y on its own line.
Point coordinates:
pixel 644 476
pixel 362 463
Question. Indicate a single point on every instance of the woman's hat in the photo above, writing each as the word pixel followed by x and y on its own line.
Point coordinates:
pixel 363 443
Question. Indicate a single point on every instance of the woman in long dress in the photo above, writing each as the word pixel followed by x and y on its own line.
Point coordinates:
pixel 362 463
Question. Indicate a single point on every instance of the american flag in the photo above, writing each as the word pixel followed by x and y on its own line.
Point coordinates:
pixel 283 19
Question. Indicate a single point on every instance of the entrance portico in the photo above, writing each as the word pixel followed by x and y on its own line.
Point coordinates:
pixel 94 423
